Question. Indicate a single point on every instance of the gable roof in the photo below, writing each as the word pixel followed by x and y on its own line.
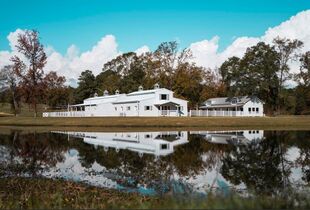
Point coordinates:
pixel 144 92
pixel 229 101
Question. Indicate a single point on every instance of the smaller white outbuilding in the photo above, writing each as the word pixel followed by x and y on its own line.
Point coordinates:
pixel 248 106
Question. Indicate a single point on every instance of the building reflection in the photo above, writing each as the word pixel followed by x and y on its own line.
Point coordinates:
pixel 154 143
pixel 231 137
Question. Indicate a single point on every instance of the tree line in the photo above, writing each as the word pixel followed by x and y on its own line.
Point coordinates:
pixel 264 71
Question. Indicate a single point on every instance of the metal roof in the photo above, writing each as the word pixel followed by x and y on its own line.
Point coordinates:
pixel 229 101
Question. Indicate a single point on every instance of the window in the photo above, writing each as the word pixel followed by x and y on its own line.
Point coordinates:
pixel 257 109
pixel 147 136
pixel 164 96
pixel 128 108
pixel 147 108
pixel 253 109
pixel 241 109
pixel 115 108
pixel 250 131
pixel 164 146
pixel 249 109
pixel 122 108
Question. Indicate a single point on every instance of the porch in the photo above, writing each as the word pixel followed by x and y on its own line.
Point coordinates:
pixel 169 109
pixel 215 113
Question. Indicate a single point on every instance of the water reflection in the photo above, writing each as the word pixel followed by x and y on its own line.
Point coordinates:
pixel 174 162
pixel 155 143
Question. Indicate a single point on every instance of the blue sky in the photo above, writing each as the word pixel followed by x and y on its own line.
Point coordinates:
pixel 139 22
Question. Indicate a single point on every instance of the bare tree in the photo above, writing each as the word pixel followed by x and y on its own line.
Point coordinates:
pixel 31 74
pixel 9 80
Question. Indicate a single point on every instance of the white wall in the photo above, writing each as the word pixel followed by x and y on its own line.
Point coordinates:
pixel 253 104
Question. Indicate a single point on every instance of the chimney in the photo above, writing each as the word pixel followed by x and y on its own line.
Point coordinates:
pixel 140 88
pixel 116 92
pixel 106 93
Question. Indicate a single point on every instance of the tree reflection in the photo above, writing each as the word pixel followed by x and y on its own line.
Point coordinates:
pixel 32 152
pixel 260 165
pixel 303 143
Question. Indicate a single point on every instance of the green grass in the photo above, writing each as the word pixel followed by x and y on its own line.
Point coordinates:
pixel 267 123
pixel 25 111
pixel 25 193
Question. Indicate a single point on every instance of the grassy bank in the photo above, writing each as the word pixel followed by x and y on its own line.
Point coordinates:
pixel 268 123
pixel 16 193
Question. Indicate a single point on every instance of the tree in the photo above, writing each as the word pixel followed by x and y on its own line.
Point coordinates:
pixel 56 93
pixel 303 88
pixel 108 80
pixel 9 81
pixel 86 86
pixel 254 74
pixel 166 57
pixel 286 49
pixel 229 72
pixel 30 72
pixel 187 82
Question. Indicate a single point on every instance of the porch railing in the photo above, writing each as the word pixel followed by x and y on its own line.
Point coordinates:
pixel 207 113
pixel 171 113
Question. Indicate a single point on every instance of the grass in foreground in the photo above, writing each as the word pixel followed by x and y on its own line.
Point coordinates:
pixel 284 122
pixel 50 194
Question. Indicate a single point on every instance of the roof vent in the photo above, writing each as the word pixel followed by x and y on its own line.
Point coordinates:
pixel 96 95
pixel 156 86
pixel 140 88
pixel 116 92
pixel 105 93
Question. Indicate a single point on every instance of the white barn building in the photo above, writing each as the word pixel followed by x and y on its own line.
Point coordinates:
pixel 247 106
pixel 146 103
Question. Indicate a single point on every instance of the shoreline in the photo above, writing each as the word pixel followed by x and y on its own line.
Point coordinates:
pixel 153 123
pixel 38 193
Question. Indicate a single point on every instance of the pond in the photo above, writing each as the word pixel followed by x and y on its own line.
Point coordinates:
pixel 244 162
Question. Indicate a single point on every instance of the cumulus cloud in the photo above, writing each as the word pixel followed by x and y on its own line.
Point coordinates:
pixel 206 52
pixel 73 62
pixel 142 50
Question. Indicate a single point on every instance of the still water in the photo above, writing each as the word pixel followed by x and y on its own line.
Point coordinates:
pixel 245 162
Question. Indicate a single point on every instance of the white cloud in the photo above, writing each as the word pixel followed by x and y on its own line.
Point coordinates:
pixel 72 63
pixel 206 52
pixel 142 50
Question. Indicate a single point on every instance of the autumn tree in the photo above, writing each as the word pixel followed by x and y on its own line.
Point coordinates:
pixel 56 93
pixel 31 72
pixel 187 82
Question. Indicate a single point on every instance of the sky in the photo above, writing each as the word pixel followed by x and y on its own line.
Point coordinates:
pixel 82 34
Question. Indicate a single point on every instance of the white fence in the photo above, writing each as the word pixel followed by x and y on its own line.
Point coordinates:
pixel 207 113
pixel 169 113
pixel 64 114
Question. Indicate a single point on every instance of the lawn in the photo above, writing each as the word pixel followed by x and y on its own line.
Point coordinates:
pixel 267 123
